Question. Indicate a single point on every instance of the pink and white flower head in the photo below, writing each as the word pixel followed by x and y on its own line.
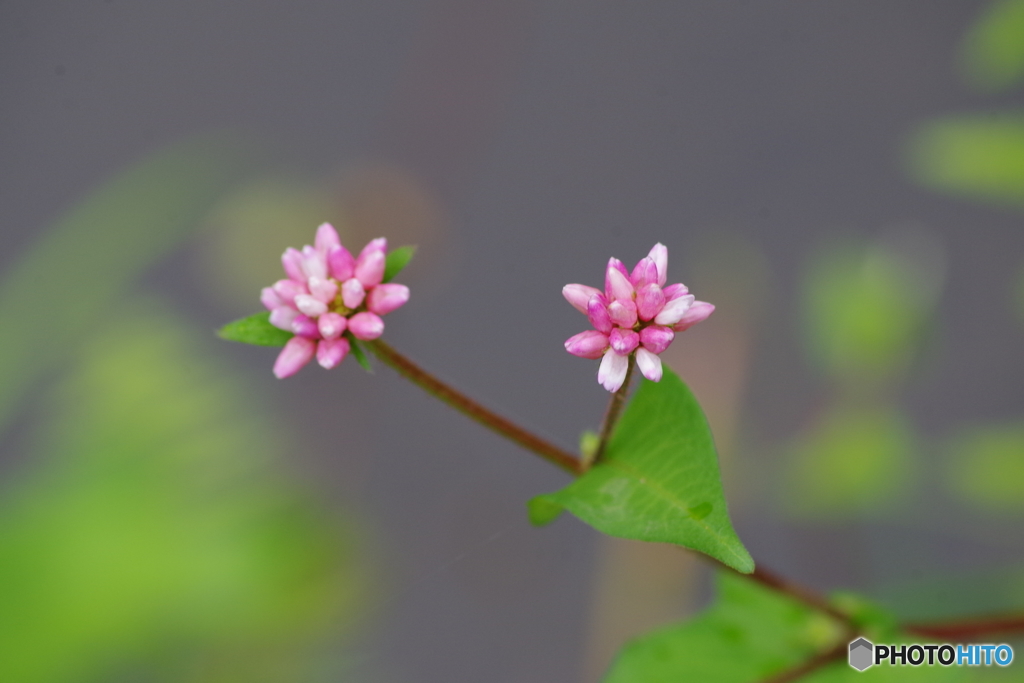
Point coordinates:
pixel 636 314
pixel 328 296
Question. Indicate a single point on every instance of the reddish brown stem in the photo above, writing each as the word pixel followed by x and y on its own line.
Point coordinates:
pixel 470 408
pixel 952 631
pixel 968 629
pixel 611 415
pixel 801 593
pixel 813 664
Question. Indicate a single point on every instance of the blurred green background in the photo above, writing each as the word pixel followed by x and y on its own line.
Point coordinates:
pixel 874 317
pixel 150 532
pixel 844 182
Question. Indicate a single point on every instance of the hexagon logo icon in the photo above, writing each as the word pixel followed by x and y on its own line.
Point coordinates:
pixel 861 654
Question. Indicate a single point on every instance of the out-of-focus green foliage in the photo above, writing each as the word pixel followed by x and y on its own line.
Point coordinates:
pixel 157 536
pixel 873 620
pixel 853 462
pixel 866 306
pixel 841 672
pixel 980 157
pixel 998 674
pixel 879 626
pixel 993 50
pixel 256 329
pixel 659 480
pixel 151 536
pixel 52 296
pixel 749 634
pixel 867 312
pixel 942 596
pixel 986 467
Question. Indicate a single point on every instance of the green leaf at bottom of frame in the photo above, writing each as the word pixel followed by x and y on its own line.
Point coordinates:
pixel 749 634
pixel 752 634
pixel 256 329
pixel 658 481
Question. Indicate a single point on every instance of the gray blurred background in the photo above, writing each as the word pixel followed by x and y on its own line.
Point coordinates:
pixel 520 144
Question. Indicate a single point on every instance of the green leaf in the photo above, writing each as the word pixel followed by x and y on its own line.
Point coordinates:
pixel 752 634
pixel 256 329
pixel 993 51
pixel 841 672
pixel 981 157
pixel 749 634
pixel 359 354
pixel 542 511
pixel 397 260
pixel 659 480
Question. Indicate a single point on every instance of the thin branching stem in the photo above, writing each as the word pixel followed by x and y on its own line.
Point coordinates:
pixel 799 593
pixel 962 630
pixel 470 408
pixel 811 665
pixel 614 411
pixel 951 632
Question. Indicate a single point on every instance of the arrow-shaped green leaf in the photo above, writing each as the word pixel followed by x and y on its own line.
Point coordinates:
pixel 256 329
pixel 659 480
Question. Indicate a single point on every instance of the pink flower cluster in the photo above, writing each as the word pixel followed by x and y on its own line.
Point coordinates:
pixel 328 295
pixel 635 314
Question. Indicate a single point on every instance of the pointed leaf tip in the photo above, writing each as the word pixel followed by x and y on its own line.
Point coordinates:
pixel 659 480
pixel 542 511
pixel 397 260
